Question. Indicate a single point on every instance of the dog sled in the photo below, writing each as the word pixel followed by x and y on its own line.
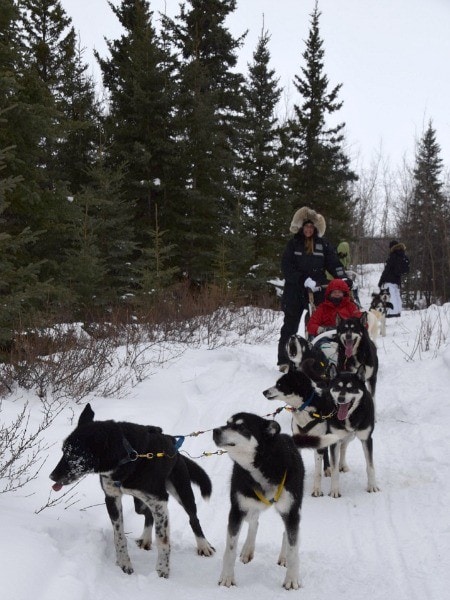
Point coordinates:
pixel 326 341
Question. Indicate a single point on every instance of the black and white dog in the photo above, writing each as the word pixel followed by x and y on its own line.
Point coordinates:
pixel 355 348
pixel 381 301
pixel 141 461
pixel 306 357
pixel 355 416
pixel 268 471
pixel 312 411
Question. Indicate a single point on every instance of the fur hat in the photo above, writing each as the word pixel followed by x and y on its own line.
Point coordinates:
pixel 304 214
pixel 394 245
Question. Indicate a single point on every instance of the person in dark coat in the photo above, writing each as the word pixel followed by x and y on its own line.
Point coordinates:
pixel 305 259
pixel 396 265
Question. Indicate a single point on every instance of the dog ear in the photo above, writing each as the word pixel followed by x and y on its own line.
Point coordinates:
pixel 87 416
pixel 338 320
pixel 363 319
pixel 332 371
pixel 272 429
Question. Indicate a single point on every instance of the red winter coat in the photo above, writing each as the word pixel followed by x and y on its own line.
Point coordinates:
pixel 325 314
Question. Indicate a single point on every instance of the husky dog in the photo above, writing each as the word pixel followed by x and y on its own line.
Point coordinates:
pixel 312 411
pixel 141 461
pixel 379 307
pixel 355 417
pixel 355 348
pixel 268 471
pixel 306 357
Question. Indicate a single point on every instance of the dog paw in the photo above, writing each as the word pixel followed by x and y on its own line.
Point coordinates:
pixel 327 472
pixel 204 548
pixel 227 580
pixel 335 494
pixel 291 583
pixel 128 569
pixel 164 573
pixel 317 493
pixel 144 544
pixel 247 555
pixel 344 469
pixel 282 561
pixel 373 488
pixel 163 566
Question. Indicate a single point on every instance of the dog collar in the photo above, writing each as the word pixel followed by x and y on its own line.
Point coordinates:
pixel 278 493
pixel 306 403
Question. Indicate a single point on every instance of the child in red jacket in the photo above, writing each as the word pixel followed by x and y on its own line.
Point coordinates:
pixel 337 302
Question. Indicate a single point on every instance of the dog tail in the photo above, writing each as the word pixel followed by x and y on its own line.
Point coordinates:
pixel 199 477
pixel 315 441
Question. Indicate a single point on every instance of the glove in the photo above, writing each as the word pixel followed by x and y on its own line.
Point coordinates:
pixel 310 283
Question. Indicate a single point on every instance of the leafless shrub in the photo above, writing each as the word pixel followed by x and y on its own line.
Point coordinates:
pixel 433 331
pixel 22 451
pixel 107 357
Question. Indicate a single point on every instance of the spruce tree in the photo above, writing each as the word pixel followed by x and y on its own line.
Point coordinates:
pixel 320 173
pixel 265 207
pixel 137 75
pixel 426 226
pixel 78 144
pixel 99 261
pixel 21 293
pixel 208 108
pixel 49 54
pixel 155 272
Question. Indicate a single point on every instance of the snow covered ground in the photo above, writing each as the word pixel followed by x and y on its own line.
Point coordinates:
pixel 393 544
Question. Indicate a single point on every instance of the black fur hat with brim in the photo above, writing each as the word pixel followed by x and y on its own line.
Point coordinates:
pixel 308 215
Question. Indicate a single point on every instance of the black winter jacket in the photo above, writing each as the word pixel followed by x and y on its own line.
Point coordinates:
pixel 396 265
pixel 297 266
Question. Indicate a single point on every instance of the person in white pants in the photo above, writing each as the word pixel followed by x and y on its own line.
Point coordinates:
pixel 396 265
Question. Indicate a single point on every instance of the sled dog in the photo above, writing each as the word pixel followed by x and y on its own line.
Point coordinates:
pixel 141 461
pixel 312 411
pixel 355 348
pixel 355 416
pixel 379 307
pixel 268 471
pixel 306 357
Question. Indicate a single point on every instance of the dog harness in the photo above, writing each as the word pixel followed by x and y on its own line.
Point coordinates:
pixel 278 493
pixel 132 455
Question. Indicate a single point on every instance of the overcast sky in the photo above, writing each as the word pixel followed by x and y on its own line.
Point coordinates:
pixel 392 57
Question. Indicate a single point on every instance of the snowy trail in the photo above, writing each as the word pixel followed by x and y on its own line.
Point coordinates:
pixel 392 544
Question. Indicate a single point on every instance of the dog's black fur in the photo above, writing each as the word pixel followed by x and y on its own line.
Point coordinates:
pixel 110 449
pixel 268 470
pixel 355 415
pixel 381 301
pixel 355 348
pixel 312 411
pixel 379 307
pixel 305 357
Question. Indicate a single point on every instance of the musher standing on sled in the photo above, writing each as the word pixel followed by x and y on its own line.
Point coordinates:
pixel 305 259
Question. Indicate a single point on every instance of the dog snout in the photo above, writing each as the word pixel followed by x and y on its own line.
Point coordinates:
pixel 217 434
pixel 57 472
